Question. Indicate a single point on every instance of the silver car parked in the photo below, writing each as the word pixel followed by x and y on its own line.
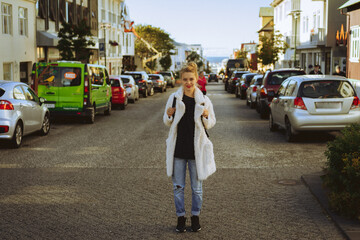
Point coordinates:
pixel 251 90
pixel 21 112
pixel 314 103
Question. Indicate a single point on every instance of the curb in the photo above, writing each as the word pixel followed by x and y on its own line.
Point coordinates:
pixel 349 228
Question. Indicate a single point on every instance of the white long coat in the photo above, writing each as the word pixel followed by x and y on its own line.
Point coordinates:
pixel 204 155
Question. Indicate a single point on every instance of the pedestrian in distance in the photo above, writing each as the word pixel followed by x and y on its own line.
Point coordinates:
pixel 202 82
pixel 316 70
pixel 338 72
pixel 189 113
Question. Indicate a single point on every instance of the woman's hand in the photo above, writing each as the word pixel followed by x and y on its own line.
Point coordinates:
pixel 170 111
pixel 205 113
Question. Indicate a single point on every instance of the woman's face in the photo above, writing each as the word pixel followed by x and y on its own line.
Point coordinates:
pixel 188 81
pixel 201 74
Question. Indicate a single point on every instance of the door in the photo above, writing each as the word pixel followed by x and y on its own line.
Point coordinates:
pixel 24 106
pixel 278 103
pixel 35 117
pixel 47 77
pixel 287 100
pixel 24 72
pixel 97 81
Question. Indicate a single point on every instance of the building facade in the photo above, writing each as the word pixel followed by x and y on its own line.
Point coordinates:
pixel 266 15
pixel 18 39
pixel 319 23
pixel 182 50
pixel 352 11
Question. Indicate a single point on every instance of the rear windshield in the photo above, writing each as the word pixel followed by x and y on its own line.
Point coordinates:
pixel 125 80
pixel 59 76
pixel 115 82
pixel 235 63
pixel 259 80
pixel 2 91
pixel 154 77
pixel 239 75
pixel 136 76
pixel 249 78
pixel 278 77
pixel 165 74
pixel 327 89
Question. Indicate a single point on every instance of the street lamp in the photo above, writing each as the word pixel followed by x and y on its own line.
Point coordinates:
pixel 295 14
pixel 105 26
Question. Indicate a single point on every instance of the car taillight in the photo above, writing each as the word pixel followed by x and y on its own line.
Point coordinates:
pixel 172 78
pixel 299 103
pixel 4 129
pixel 129 85
pixel 86 88
pixel 254 89
pixel 142 81
pixel 355 103
pixel 244 86
pixel 158 81
pixel 235 79
pixel 6 105
pixel 263 92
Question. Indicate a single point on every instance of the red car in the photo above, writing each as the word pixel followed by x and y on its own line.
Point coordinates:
pixel 119 96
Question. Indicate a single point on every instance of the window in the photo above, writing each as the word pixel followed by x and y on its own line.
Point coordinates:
pixel 18 93
pixel 290 88
pixel 59 76
pixel 7 70
pixel 354 44
pixel 6 13
pixel 281 91
pixel 30 95
pixel 96 76
pixel 23 21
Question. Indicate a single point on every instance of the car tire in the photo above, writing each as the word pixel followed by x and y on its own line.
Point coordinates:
pixel 173 85
pixel 107 112
pixel 91 117
pixel 263 114
pixel 145 94
pixel 289 133
pixel 165 89
pixel 272 126
pixel 132 100
pixel 257 106
pixel 45 127
pixel 252 104
pixel 225 87
pixel 17 138
pixel 242 96
pixel 122 106
pixel 237 93
pixel 152 91
pixel 247 102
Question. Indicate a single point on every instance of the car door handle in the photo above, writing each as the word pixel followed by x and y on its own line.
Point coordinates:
pixel 51 93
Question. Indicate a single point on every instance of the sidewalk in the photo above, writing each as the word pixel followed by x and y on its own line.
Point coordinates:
pixel 350 229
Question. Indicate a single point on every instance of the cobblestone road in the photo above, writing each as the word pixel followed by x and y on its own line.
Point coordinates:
pixel 108 180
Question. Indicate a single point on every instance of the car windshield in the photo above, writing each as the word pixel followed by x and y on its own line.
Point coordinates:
pixel 239 75
pixel 153 77
pixel 259 81
pixel 327 89
pixel 125 80
pixel 235 63
pixel 136 76
pixel 278 77
pixel 59 76
pixel 115 82
pixel 2 91
pixel 249 78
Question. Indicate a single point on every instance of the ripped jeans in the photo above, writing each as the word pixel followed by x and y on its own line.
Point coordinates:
pixel 178 179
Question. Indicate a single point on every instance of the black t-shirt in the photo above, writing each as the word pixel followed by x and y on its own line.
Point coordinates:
pixel 185 132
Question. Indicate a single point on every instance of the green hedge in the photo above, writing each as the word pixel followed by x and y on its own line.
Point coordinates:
pixel 343 172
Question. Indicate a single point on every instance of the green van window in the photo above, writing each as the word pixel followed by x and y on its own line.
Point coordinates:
pixel 96 75
pixel 59 76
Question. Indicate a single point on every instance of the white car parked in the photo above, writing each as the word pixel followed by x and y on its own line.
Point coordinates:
pixel 132 89
pixel 314 103
pixel 21 112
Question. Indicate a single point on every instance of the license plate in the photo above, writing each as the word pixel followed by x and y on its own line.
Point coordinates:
pixel 50 105
pixel 328 105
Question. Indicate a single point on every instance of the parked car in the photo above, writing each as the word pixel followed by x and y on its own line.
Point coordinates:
pixel 21 112
pixel 73 88
pixel 142 80
pixel 119 94
pixel 169 78
pixel 158 81
pixel 271 84
pixel 131 88
pixel 242 85
pixel 314 103
pixel 231 82
pixel 251 90
pixel 212 77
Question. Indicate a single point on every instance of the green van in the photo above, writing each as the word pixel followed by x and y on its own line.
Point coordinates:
pixel 73 88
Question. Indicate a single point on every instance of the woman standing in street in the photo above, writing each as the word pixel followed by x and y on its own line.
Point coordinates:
pixel 202 82
pixel 189 113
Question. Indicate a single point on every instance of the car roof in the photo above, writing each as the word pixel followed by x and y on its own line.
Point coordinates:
pixel 304 78
pixel 236 71
pixel 6 83
pixel 136 72
pixel 155 74
pixel 287 70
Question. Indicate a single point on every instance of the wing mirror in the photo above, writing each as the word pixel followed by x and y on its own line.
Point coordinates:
pixel 41 100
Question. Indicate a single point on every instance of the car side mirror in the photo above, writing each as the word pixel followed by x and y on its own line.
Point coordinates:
pixel 41 100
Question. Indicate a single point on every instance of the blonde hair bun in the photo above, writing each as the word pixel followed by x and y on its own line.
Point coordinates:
pixel 190 67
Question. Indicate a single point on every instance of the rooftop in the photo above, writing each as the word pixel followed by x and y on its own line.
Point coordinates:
pixel 266 12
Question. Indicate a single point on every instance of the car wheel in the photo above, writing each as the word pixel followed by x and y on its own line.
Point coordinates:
pixel 152 91
pixel 263 113
pixel 91 117
pixel 17 136
pixel 252 104
pixel 237 93
pixel 164 89
pixel 173 85
pixel 132 100
pixel 145 94
pixel 257 106
pixel 242 95
pixel 273 126
pixel 247 102
pixel 107 112
pixel 122 106
pixel 289 134
pixel 225 87
pixel 45 127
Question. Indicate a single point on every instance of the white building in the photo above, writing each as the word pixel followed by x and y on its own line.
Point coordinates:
pixel 17 38
pixel 286 22
pixel 182 50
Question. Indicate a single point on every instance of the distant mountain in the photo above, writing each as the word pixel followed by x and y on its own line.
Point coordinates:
pixel 215 59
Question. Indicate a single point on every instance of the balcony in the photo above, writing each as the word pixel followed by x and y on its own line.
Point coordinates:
pixel 317 36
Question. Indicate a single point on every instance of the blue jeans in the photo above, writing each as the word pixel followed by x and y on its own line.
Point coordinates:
pixel 178 179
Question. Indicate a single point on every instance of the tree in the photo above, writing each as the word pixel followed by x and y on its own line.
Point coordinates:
pixel 271 47
pixel 208 68
pixel 195 57
pixel 241 54
pixel 165 62
pixel 73 39
pixel 158 39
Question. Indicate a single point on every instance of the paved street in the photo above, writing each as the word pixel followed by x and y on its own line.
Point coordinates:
pixel 108 180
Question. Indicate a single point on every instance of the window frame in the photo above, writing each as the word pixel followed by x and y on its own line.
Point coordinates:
pixel 9 16
pixel 25 21
pixel 18 87
pixel 354 44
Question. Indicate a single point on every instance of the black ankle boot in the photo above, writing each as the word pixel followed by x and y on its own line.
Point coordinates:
pixel 195 224
pixel 181 224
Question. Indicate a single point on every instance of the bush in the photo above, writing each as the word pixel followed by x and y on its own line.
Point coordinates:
pixel 343 172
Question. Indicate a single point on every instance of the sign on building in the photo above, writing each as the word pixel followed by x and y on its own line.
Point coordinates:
pixel 102 47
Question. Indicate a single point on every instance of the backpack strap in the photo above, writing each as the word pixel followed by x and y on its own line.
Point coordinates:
pixel 174 105
pixel 203 122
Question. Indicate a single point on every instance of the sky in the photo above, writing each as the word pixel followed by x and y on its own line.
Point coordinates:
pixel 219 26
